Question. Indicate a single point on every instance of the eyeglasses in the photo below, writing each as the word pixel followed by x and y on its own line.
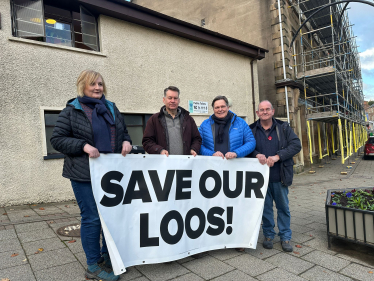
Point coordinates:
pixel 262 110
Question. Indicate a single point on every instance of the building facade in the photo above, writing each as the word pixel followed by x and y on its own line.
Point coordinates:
pixel 139 52
pixel 314 81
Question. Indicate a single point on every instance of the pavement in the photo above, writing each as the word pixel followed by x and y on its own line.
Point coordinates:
pixel 31 249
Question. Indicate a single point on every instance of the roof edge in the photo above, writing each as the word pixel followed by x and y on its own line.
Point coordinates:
pixel 143 16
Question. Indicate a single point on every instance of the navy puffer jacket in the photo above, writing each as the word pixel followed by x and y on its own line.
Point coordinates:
pixel 73 130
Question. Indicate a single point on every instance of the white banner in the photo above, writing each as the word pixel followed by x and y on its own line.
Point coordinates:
pixel 155 208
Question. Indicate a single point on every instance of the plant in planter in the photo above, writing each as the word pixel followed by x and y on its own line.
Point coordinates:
pixel 356 199
pixel 350 215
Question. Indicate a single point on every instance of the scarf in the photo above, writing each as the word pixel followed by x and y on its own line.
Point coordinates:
pixel 221 125
pixel 101 122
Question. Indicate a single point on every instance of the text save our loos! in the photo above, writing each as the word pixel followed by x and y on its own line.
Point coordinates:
pixel 253 181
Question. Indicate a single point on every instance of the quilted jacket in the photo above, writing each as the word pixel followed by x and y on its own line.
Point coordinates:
pixel 241 140
pixel 73 130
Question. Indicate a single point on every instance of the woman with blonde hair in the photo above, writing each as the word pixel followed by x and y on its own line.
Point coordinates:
pixel 90 125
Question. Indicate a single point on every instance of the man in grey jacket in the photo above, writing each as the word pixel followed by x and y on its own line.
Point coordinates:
pixel 276 144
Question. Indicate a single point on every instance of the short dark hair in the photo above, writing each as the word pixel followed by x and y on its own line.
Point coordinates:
pixel 171 88
pixel 220 98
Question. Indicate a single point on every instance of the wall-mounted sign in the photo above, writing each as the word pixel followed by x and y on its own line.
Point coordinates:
pixel 197 106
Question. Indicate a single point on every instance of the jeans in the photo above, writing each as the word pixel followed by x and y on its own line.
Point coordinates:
pixel 90 223
pixel 278 193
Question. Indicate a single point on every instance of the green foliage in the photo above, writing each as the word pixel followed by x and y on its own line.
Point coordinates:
pixel 371 102
pixel 356 199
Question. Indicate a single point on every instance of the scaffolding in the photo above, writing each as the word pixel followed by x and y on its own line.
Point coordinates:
pixel 328 66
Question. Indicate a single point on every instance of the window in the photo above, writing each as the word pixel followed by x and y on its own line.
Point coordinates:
pixel 135 124
pixel 50 119
pixel 55 22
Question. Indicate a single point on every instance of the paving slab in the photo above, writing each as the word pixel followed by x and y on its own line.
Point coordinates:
pixel 81 258
pixel 51 259
pixel 36 235
pixel 325 260
pixel 279 275
pixel 7 234
pixel 75 247
pixel 234 275
pixel 208 267
pixel 10 245
pixel 289 263
pixel 261 253
pixel 355 260
pixel 250 264
pixel 359 272
pixel 71 271
pixel 188 277
pixel 224 254
pixel 320 245
pixel 187 259
pixel 6 259
pixel 319 273
pixel 297 252
pixel 49 244
pixel 162 271
pixel 299 237
pixel 33 226
pixel 130 274
pixel 18 273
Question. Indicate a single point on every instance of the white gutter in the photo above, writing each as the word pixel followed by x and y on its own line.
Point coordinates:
pixel 284 66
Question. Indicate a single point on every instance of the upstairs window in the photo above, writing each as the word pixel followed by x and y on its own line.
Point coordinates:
pixel 55 22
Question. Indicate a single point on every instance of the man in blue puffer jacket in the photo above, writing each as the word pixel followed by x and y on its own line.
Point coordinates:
pixel 225 134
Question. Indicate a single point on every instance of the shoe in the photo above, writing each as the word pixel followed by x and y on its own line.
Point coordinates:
pixel 286 246
pixel 268 243
pixel 100 272
pixel 105 260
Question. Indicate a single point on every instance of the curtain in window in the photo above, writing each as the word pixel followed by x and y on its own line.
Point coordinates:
pixel 89 32
pixel 29 18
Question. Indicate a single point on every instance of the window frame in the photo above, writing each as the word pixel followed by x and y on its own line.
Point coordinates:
pixel 44 16
pixel 137 149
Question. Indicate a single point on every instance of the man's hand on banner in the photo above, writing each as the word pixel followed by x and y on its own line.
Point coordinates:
pixel 261 158
pixel 219 153
pixel 126 148
pixel 272 159
pixel 91 151
pixel 165 152
pixel 231 155
pixel 193 152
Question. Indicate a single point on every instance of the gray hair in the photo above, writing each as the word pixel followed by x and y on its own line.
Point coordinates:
pixel 258 106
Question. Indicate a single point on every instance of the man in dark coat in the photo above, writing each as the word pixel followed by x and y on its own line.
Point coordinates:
pixel 172 130
pixel 276 144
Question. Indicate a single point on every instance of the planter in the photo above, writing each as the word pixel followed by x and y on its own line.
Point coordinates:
pixel 349 224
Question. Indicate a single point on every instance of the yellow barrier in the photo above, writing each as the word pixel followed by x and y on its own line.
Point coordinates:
pixel 341 139
pixel 310 144
pixel 354 136
pixel 332 139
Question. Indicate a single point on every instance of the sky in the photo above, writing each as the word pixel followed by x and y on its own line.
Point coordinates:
pixel 362 17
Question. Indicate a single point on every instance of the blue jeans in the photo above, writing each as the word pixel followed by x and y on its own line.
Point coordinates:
pixel 278 193
pixel 90 223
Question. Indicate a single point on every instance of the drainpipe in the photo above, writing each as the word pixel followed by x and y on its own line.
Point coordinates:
pixel 284 66
pixel 253 86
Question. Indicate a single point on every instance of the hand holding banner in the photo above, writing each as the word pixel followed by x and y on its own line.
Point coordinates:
pixel 156 209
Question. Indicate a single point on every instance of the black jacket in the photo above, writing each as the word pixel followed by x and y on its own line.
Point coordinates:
pixel 73 130
pixel 289 146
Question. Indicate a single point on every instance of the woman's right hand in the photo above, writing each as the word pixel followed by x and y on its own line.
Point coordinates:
pixel 91 151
